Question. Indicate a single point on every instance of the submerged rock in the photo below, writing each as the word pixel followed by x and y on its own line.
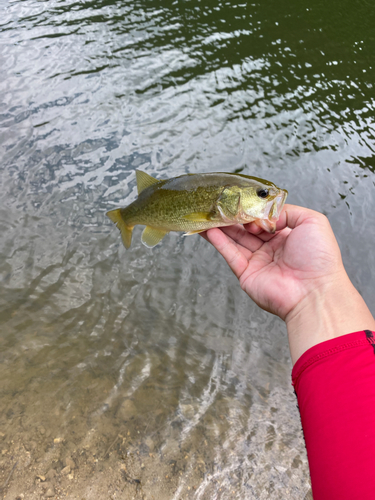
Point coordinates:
pixel 127 410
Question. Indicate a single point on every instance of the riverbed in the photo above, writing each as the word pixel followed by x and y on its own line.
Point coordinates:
pixel 148 373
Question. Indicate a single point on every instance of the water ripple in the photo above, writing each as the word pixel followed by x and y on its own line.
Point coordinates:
pixel 153 363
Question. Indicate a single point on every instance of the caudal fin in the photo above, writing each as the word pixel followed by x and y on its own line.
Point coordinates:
pixel 126 231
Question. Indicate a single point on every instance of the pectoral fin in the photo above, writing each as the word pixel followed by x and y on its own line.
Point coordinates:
pixel 199 216
pixel 151 236
pixel 126 231
pixel 144 180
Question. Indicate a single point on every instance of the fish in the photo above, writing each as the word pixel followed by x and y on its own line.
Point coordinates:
pixel 193 203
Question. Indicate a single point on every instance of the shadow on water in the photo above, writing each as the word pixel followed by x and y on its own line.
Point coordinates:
pixel 148 373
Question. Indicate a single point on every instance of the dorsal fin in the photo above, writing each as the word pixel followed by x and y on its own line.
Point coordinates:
pixel 144 180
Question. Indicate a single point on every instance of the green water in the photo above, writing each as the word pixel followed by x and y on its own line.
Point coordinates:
pixel 148 373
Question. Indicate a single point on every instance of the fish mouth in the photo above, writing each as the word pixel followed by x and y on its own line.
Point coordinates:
pixel 273 211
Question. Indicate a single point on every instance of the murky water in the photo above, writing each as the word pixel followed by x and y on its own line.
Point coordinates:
pixel 148 373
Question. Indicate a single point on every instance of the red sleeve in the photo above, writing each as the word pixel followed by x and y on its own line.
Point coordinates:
pixel 335 386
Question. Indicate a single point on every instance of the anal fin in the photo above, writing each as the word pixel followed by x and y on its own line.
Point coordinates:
pixel 152 235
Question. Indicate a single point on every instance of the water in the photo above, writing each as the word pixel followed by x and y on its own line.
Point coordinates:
pixel 148 373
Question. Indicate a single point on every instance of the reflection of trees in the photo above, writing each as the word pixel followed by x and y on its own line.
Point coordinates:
pixel 254 60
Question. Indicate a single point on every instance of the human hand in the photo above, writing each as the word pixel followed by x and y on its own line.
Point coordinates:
pixel 296 273
pixel 279 270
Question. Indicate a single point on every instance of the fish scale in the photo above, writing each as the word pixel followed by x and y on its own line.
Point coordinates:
pixel 193 203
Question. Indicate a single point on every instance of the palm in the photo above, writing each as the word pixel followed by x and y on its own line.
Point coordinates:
pixel 278 271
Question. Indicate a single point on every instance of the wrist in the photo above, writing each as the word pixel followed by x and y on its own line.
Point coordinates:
pixel 332 308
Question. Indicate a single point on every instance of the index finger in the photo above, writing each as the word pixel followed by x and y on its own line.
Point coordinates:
pixel 229 249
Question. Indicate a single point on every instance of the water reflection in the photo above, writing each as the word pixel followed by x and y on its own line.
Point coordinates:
pixel 148 372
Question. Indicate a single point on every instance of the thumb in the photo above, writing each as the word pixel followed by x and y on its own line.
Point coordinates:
pixel 293 216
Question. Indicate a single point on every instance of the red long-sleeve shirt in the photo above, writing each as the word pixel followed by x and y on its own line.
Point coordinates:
pixel 335 386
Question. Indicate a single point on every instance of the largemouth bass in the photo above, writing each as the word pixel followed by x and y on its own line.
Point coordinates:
pixel 195 202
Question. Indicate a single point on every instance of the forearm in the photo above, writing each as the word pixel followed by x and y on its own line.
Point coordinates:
pixel 335 386
pixel 329 310
pixel 334 380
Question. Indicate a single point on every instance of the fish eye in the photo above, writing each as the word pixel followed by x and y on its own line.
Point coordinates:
pixel 262 193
